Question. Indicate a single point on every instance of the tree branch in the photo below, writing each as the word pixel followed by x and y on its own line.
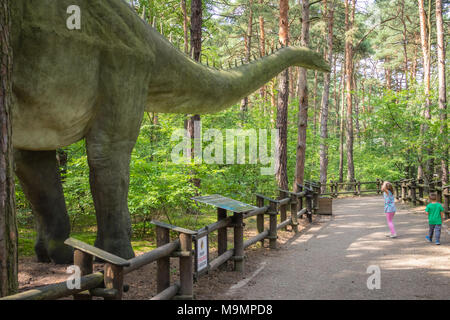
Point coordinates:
pixel 314 2
pixel 371 30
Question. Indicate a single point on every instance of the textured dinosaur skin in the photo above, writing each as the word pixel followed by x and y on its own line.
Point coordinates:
pixel 95 84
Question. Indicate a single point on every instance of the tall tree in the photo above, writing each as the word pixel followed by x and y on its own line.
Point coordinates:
pixel 8 225
pixel 302 88
pixel 262 44
pixel 185 26
pixel 329 15
pixel 442 91
pixel 196 29
pixel 196 49
pixel 424 39
pixel 349 20
pixel 248 46
pixel 342 124
pixel 283 99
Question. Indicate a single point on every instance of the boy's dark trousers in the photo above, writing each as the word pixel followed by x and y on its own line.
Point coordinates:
pixel 433 228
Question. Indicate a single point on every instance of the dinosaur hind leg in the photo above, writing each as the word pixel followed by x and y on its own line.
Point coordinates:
pixel 40 180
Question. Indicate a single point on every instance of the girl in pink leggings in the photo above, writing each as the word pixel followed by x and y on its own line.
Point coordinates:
pixel 389 206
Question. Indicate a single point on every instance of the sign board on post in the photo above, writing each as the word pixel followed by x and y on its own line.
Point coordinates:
pixel 201 255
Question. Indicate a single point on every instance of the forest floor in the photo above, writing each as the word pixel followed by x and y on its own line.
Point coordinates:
pixel 328 259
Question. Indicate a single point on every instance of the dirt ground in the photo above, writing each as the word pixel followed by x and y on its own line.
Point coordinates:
pixel 142 282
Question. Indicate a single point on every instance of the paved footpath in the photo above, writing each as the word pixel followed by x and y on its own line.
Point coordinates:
pixel 330 260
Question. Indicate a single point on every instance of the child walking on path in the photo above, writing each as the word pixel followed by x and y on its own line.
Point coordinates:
pixel 389 206
pixel 435 213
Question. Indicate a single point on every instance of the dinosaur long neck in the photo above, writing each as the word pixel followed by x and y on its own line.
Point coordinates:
pixel 180 85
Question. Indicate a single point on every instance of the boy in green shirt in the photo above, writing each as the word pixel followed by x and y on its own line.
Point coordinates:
pixel 435 213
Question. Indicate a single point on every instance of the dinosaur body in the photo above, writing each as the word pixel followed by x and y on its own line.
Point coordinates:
pixel 95 84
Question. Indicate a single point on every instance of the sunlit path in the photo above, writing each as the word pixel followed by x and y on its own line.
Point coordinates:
pixel 330 260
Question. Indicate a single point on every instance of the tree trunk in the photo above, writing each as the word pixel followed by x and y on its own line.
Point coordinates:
pixel 335 98
pixel 262 46
pixel 349 18
pixel 315 103
pixel 8 224
pixel 356 100
pixel 302 89
pixel 329 13
pixel 405 42
pixel 283 99
pixel 422 172
pixel 196 29
pixel 196 49
pixel 342 127
pixel 442 92
pixel 248 47
pixel 337 101
pixel 185 26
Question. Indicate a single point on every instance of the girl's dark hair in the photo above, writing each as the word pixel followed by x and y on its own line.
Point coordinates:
pixel 387 186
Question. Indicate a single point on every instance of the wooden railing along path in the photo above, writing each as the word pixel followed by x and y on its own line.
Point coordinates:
pixel 417 192
pixel 231 214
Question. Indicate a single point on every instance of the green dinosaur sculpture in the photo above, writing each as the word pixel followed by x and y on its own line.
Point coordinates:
pixel 95 83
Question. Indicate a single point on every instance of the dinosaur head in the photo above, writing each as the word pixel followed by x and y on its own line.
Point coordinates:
pixel 305 58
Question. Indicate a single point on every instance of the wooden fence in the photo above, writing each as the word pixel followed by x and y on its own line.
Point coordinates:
pixel 417 192
pixel 109 283
pixel 334 189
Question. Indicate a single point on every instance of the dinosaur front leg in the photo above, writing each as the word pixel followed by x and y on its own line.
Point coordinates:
pixel 40 180
pixel 109 144
pixel 109 180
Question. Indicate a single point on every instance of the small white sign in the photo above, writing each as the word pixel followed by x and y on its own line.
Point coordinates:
pixel 202 253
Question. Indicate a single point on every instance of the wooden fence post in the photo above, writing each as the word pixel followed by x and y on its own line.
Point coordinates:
pixel 186 275
pixel 397 193
pixel 238 257
pixel 162 264
pixel 446 201
pixel 283 208
pixel 331 188
pixel 300 201
pixel 439 190
pixel 222 238
pixel 413 192
pixel 260 217
pixel 378 186
pixel 404 190
pixel 272 212
pixel 359 188
pixel 309 204
pixel 83 261
pixel 113 277
pixel 316 196
pixel 294 210
pixel 420 183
